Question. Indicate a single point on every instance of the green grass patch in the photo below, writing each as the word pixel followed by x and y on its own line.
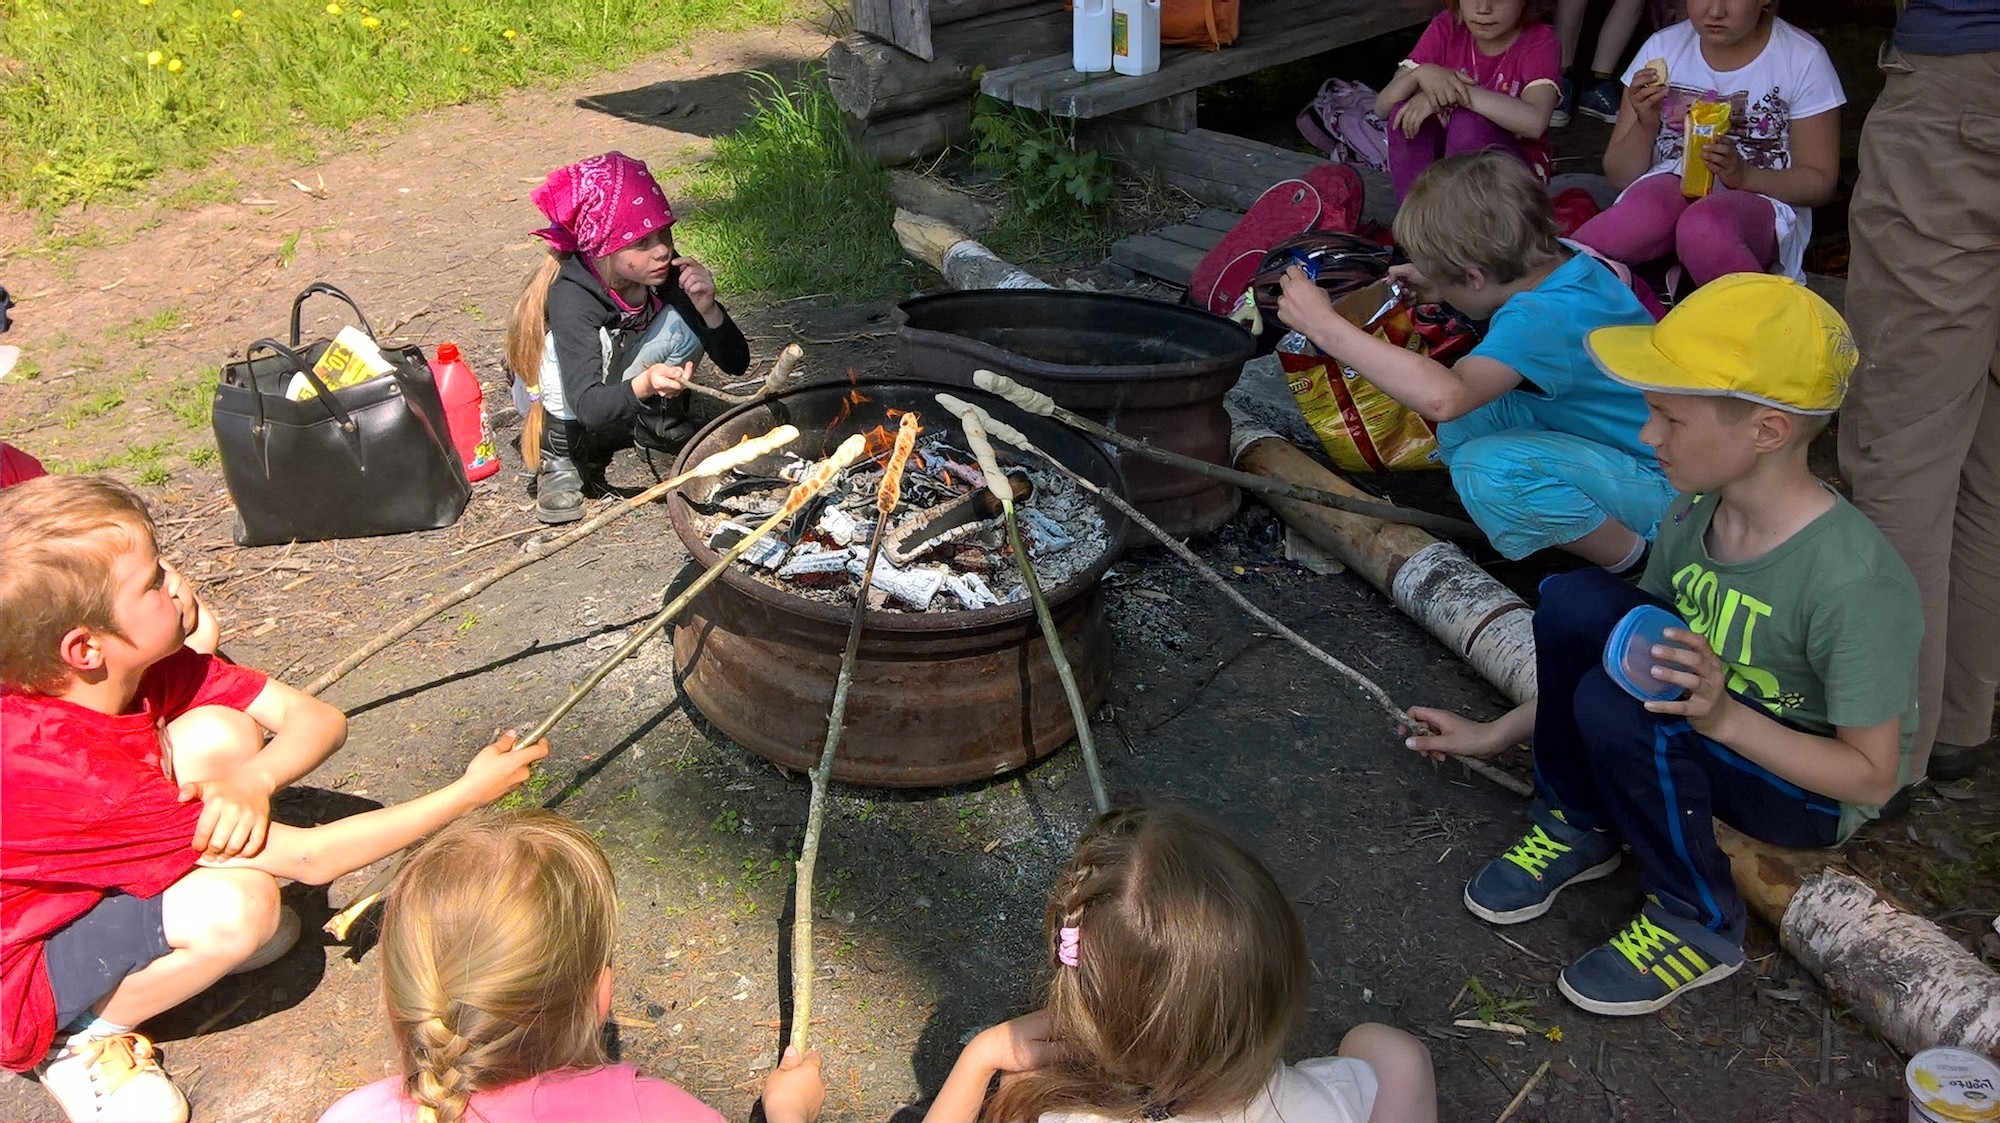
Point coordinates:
pixel 144 464
pixel 101 95
pixel 96 405
pixel 786 206
pixel 192 400
pixel 146 327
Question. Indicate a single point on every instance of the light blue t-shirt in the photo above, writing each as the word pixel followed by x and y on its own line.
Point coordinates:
pixel 1540 334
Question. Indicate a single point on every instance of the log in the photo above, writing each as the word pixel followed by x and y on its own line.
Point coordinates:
pixel 906 23
pixel 872 79
pixel 906 140
pixel 964 262
pixel 953 11
pixel 1907 979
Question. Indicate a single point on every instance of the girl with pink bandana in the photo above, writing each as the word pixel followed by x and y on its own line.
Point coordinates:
pixel 609 329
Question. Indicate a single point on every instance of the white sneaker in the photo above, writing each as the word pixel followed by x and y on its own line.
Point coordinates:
pixel 274 948
pixel 111 1079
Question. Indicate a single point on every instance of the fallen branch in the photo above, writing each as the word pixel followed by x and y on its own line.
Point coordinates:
pixel 812 484
pixel 1034 401
pixel 887 495
pixel 713 465
pixel 1522 1095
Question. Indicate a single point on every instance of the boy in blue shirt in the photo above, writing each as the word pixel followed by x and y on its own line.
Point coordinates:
pixel 1797 663
pixel 1543 448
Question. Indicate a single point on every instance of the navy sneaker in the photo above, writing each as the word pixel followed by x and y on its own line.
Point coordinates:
pixel 1566 106
pixel 1654 960
pixel 1601 100
pixel 1522 883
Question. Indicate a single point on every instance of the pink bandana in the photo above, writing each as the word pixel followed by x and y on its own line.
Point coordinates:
pixel 601 205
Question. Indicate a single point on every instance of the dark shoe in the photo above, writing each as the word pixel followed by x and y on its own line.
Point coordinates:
pixel 1956 762
pixel 1522 883
pixel 1566 106
pixel 1898 805
pixel 1601 100
pixel 559 485
pixel 1652 961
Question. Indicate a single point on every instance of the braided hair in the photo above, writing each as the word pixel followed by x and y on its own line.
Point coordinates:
pixel 1190 969
pixel 495 937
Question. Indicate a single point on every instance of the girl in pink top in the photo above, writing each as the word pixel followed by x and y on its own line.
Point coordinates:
pixel 496 971
pixel 1484 75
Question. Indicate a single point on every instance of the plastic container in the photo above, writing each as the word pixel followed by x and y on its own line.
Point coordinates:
pixel 465 412
pixel 1090 51
pixel 1135 36
pixel 1949 1085
pixel 1628 654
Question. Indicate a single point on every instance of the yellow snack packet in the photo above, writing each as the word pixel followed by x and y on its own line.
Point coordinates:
pixel 1706 122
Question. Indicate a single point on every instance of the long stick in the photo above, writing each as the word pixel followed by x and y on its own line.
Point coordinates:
pixel 1003 490
pixel 1368 686
pixel 815 480
pixel 887 495
pixel 713 465
pixel 1034 401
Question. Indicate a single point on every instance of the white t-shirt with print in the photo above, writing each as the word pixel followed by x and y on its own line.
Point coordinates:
pixel 1322 1090
pixel 1791 77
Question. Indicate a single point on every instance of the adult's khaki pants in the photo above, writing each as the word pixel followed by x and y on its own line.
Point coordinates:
pixel 1920 433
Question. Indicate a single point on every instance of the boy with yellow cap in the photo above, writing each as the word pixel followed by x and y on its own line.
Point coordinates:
pixel 1792 683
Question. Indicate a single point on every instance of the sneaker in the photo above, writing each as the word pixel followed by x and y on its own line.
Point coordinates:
pixel 111 1079
pixel 1601 100
pixel 274 948
pixel 1566 106
pixel 1522 883
pixel 1956 762
pixel 1654 960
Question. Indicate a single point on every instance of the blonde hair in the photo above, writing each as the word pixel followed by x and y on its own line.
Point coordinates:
pixel 528 324
pixel 1478 210
pixel 1191 969
pixel 494 938
pixel 60 536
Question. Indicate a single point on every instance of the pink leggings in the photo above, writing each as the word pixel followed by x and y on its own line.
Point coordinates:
pixel 1726 232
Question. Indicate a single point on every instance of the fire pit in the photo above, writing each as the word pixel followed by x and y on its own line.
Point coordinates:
pixel 942 694
pixel 1147 369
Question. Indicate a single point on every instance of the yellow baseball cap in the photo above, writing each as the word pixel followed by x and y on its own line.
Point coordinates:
pixel 1755 336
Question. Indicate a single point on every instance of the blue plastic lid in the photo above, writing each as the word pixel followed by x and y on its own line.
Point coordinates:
pixel 1628 654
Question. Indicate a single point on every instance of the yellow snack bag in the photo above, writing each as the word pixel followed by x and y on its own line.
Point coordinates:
pixel 1706 122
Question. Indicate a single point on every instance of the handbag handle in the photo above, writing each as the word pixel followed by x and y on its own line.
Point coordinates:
pixel 321 394
pixel 298 302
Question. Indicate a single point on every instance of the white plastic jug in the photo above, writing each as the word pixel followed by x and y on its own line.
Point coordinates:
pixel 1135 36
pixel 1091 51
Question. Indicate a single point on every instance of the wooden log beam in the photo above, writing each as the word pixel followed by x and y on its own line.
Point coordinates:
pixel 964 262
pixel 873 79
pixel 906 140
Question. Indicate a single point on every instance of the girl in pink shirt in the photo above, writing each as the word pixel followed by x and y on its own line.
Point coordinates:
pixel 1484 75
pixel 496 971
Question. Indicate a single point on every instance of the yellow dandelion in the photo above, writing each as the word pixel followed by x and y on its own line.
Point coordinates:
pixel 464 50
pixel 145 3
pixel 333 9
pixel 155 58
pixel 1555 1033
pixel 370 22
pixel 174 66
pixel 237 14
pixel 510 33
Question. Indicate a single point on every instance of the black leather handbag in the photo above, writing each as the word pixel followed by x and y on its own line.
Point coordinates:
pixel 373 458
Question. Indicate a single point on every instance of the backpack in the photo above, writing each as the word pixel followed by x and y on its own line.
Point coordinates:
pixel 1208 24
pixel 1327 197
pixel 1341 122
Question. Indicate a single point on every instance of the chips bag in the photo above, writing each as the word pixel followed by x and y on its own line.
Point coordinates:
pixel 1707 121
pixel 1362 428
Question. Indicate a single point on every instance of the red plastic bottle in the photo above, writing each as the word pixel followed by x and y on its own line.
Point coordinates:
pixel 465 412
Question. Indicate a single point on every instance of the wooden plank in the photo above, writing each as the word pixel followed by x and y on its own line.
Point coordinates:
pixel 906 23
pixel 905 140
pixel 1216 168
pixel 954 11
pixel 1199 237
pixel 1157 257
pixel 1216 218
pixel 872 79
pixel 1272 33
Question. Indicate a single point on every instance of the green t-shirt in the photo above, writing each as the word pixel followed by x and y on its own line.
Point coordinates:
pixel 1823 629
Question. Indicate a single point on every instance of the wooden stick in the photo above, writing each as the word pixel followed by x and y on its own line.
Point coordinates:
pixel 1380 697
pixel 714 465
pixel 1034 401
pixel 815 480
pixel 997 483
pixel 781 371
pixel 1515 1103
pixel 887 495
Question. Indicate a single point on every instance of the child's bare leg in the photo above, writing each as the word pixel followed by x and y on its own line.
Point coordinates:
pixel 214 919
pixel 210 741
pixel 1407 1090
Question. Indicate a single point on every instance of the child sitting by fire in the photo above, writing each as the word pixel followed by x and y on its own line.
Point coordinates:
pixel 1543 449
pixel 138 862
pixel 609 329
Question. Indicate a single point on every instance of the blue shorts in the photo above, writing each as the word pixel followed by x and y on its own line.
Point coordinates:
pixel 90 956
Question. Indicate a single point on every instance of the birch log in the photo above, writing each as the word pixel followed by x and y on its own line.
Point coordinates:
pixel 963 261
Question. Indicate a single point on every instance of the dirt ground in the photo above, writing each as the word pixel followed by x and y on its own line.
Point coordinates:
pixel 930 901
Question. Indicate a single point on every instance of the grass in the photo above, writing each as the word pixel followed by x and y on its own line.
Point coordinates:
pixel 101 95
pixel 192 400
pixel 96 405
pixel 145 327
pixel 786 206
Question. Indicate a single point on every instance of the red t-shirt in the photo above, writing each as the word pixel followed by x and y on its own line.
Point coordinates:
pixel 1534 56
pixel 85 809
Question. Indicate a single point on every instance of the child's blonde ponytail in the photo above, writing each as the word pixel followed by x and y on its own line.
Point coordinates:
pixel 527 333
pixel 441 1087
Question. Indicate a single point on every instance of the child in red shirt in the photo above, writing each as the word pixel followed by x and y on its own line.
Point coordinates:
pixel 1483 75
pixel 138 862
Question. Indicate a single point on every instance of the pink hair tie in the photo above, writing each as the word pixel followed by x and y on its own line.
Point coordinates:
pixel 1068 939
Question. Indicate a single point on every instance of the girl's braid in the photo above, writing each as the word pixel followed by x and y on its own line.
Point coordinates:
pixel 441 1086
